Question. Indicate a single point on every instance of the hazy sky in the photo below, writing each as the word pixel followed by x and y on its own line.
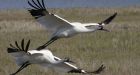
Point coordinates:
pixel 71 3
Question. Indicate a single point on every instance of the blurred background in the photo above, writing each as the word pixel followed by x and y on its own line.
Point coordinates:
pixel 118 50
pixel 72 3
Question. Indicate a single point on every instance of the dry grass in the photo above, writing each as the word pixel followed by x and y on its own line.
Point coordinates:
pixel 118 50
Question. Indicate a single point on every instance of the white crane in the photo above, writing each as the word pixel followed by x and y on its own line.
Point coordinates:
pixel 25 57
pixel 59 27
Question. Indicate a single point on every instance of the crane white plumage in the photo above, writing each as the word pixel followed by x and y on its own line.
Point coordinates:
pixel 25 57
pixel 59 27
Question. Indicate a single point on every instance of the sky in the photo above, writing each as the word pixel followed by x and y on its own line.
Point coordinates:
pixel 6 4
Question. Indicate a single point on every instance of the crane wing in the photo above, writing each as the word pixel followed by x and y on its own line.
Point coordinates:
pixel 51 21
pixel 19 56
pixel 62 67
pixel 69 68
pixel 66 64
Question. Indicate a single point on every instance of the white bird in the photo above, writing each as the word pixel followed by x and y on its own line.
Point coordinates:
pixel 59 27
pixel 25 57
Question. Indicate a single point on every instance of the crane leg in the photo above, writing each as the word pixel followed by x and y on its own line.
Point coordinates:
pixel 46 44
pixel 21 68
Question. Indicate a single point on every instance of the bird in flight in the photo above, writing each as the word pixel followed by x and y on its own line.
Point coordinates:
pixel 25 57
pixel 60 27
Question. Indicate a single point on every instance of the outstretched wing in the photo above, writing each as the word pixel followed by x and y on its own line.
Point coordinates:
pixel 66 65
pixel 61 67
pixel 20 54
pixel 69 68
pixel 51 21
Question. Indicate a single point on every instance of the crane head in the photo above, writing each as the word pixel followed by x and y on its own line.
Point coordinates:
pixel 101 27
pixel 106 21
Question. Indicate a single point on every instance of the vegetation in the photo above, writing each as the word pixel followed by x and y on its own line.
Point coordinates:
pixel 118 50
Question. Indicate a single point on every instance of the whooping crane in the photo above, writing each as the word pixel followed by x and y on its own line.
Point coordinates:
pixel 60 27
pixel 25 57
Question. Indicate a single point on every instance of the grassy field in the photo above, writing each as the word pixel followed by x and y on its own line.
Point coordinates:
pixel 118 50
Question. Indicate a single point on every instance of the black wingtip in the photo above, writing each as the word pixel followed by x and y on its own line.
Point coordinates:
pixel 38 8
pixel 22 44
pixel 27 46
pixel 17 48
pixel 17 45
pixel 99 70
pixel 11 50
pixel 37 13
pixel 76 71
pixel 109 19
